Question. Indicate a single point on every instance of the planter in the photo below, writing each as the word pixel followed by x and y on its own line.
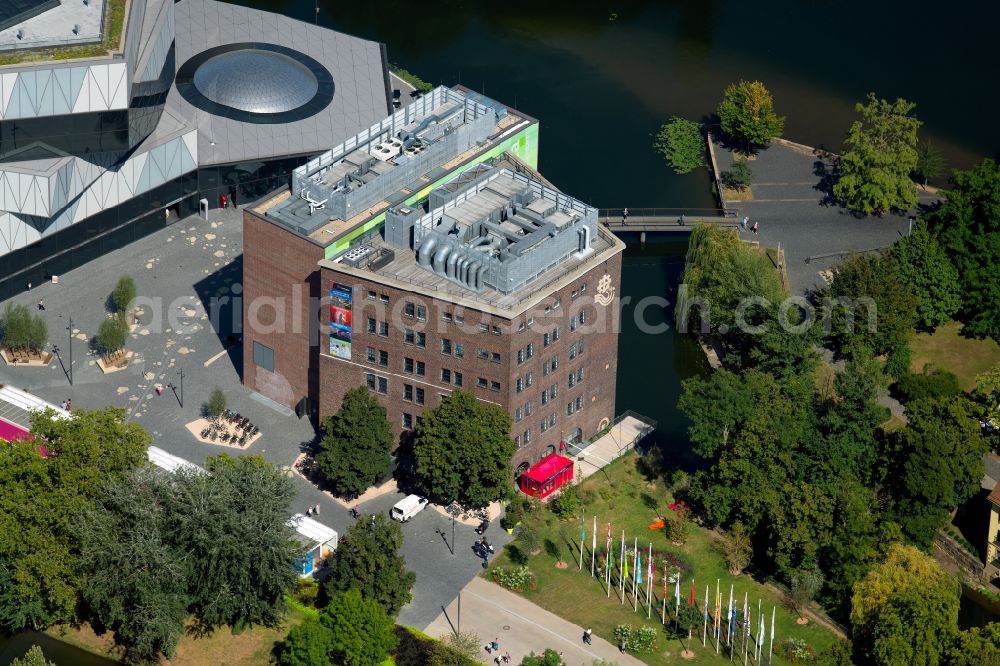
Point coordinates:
pixel 115 362
pixel 26 359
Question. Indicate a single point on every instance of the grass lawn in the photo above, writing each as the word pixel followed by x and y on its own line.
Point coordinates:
pixel 251 648
pixel 948 350
pixel 625 497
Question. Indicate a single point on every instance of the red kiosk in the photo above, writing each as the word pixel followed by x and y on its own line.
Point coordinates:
pixel 547 476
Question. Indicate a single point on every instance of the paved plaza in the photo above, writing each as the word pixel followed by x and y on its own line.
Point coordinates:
pixel 790 186
pixel 178 271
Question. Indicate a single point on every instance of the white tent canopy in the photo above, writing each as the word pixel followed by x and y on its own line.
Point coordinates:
pixel 168 461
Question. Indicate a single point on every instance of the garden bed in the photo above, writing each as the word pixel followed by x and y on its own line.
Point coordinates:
pixel 26 359
pixel 115 362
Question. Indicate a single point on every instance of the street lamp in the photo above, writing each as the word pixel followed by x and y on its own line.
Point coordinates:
pixel 180 397
pixel 55 349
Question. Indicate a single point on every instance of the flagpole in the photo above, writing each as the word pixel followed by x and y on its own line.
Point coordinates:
pixel 663 603
pixel 593 547
pixel 770 650
pixel 649 584
pixel 635 579
pixel 746 624
pixel 583 534
pixel 757 646
pixel 718 615
pixel 621 569
pixel 609 563
pixel 704 626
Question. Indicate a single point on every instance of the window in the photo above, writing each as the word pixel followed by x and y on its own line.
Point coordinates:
pixel 384 298
pixel 446 316
pixel 383 358
pixel 494 386
pixel 517 441
pixel 545 397
pixel 482 382
pixel 527 408
pixel 377 383
pixel 446 346
pixel 555 363
pixel 579 346
pixel 557 304
pixel 420 396
pixel 572 380
pixel 530 350
pixel 545 425
pixel 459 350
pixel 420 420
pixel 408 392
pixel 574 294
pixel 583 288
pixel 583 316
pixel 484 328
pixel 495 330
pixel 495 357
pixel 545 340
pixel 459 319
pixel 383 329
pixel 531 322
pixel 408 365
pixel 555 334
pixel 372 295
pixel 483 354
pixel 579 402
pixel 421 339
pixel 371 355
pixel 263 356
pixel 371 325
pixel 572 351
pixel 553 391
pixel 529 379
pixel 408 310
pixel 408 337
pixel 458 378
pixel 519 385
pixel 579 375
pixel 420 368
pixel 527 436
pixel 517 415
pixel 520 327
pixel 520 356
pixel 421 313
pixel 552 421
pixel 569 409
pixel 445 376
pixel 572 324
pixel 545 370
pixel 407 421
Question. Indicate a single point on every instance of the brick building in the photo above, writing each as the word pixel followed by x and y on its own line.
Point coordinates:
pixel 464 272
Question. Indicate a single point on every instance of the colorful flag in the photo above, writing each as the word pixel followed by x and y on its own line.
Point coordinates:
pixel 624 562
pixel 663 599
pixel 583 534
pixel 770 650
pixel 691 602
pixel 609 545
pixel 593 547
pixel 704 626
pixel 638 567
pixel 677 591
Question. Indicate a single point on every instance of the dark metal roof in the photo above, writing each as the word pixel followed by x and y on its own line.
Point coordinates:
pixel 256 81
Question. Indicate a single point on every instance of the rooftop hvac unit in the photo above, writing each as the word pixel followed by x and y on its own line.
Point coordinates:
pixel 357 255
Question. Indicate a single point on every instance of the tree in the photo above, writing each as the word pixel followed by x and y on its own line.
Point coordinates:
pixel 136 578
pixel 682 144
pixel 968 228
pixel 738 177
pixel 230 525
pixel 41 581
pixel 123 295
pixel 306 644
pixel 938 458
pixel 360 628
pixel 738 549
pixel 868 304
pixel 930 162
pixel 462 451
pixel 747 115
pixel 215 406
pixel 978 646
pixel 931 383
pixel 354 451
pixel 988 394
pixel 921 262
pixel 112 334
pixel 21 330
pixel 548 658
pixel 465 643
pixel 905 611
pixel 369 561
pixel 33 657
pixel 803 588
pixel 837 654
pixel 880 154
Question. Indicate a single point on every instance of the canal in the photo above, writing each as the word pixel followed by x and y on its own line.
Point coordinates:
pixel 63 654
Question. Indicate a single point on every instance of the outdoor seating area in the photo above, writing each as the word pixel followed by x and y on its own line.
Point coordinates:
pixel 115 361
pixel 229 429
pixel 25 357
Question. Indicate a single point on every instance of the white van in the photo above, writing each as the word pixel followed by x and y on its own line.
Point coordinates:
pixel 407 507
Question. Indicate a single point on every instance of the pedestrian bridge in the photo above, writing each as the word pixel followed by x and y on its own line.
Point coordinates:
pixel 666 219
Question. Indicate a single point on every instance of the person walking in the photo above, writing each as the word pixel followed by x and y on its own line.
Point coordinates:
pixel 745 223
pixel 69 404
pixel 587 636
pixel 41 304
pixel 756 228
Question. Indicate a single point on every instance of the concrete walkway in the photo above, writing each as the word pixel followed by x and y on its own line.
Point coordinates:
pixel 521 627
pixel 618 441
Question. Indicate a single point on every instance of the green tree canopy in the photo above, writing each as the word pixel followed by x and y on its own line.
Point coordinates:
pixel 682 144
pixel 307 644
pixel 880 154
pixel 922 263
pixel 124 294
pixel 548 658
pixel 462 451
pixel 747 115
pixel 930 162
pixel 936 463
pixel 368 560
pixel 33 657
pixel 112 334
pixel 354 451
pixel 215 406
pixel 21 330
pixel 968 227
pixel 978 646
pixel 905 610
pixel 351 630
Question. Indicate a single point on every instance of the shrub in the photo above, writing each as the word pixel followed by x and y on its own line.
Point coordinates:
pixel 112 334
pixel 123 294
pixel 516 555
pixel 737 548
pixel 899 361
pixel 738 177
pixel 678 524
pixel 21 330
pixel 528 540
pixel 795 650
pixel 216 403
pixel 567 504
pixel 682 144
pixel 585 496
pixel 642 639
pixel 307 592
pixel 931 383
pixel 804 587
pixel 516 579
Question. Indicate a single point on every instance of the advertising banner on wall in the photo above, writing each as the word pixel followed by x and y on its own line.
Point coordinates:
pixel 341 302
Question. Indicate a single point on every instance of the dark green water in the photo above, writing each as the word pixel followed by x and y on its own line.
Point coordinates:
pixel 600 87
pixel 61 653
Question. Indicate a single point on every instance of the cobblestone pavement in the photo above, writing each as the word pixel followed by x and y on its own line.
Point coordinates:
pixel 178 271
pixel 790 188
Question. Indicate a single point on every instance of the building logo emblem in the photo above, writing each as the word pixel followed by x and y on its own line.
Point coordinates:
pixel 605 292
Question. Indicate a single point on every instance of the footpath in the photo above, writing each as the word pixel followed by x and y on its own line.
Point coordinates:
pixel 521 627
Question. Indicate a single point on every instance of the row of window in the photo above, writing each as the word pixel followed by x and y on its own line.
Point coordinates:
pixel 408 421
pixel 522 412
pixel 377 383
pixel 524 439
pixel 410 395
pixel 378 355
pixel 549 423
pixel 574 406
pixel 549 338
pixel 383 298
pixel 550 394
pixel 381 384
pixel 580 319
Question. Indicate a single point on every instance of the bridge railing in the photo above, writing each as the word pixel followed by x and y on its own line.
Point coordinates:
pixel 640 213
